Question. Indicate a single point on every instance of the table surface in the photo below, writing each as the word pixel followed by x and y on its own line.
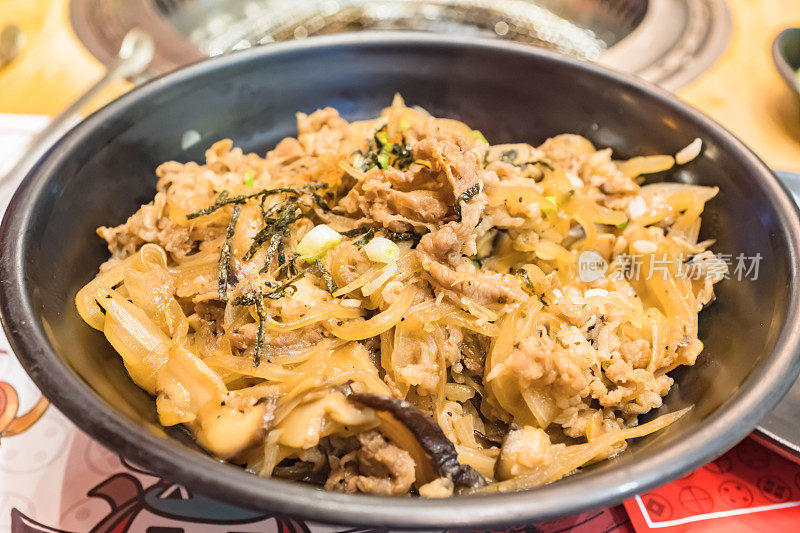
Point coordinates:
pixel 54 476
pixel 742 90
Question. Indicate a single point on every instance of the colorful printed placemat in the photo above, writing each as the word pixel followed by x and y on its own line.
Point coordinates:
pixel 54 478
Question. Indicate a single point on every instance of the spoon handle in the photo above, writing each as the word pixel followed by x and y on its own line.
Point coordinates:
pixel 10 44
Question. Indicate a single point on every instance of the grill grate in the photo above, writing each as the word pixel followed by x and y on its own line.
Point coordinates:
pixel 518 20
pixel 667 41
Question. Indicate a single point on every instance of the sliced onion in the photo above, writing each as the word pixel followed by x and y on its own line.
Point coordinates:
pixel 388 271
pixel 361 329
pixel 569 458
pixel 647 164
pixel 360 281
pixel 666 189
pixel 691 151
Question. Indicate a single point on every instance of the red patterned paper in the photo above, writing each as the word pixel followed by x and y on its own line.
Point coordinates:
pixel 748 489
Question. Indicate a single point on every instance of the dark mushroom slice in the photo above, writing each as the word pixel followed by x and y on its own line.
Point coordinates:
pixel 430 437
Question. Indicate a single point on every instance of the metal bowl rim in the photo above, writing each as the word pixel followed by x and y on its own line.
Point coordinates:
pixel 782 64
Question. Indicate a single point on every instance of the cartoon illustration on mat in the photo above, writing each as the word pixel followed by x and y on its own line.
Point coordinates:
pixel 166 507
pixel 163 507
pixel 11 422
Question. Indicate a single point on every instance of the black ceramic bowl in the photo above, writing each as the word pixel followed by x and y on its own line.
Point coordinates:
pixel 102 170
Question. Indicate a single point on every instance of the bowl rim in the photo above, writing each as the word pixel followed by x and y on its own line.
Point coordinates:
pixel 732 421
pixel 782 64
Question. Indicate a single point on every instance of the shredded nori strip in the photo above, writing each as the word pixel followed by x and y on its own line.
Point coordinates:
pixel 225 255
pixel 543 163
pixel 288 267
pixel 534 163
pixel 319 201
pixel 399 236
pixel 322 271
pixel 370 159
pixel 466 196
pixel 256 298
pixel 289 214
pixel 266 214
pixel 366 238
pixel 276 292
pixel 290 211
pixel 287 289
pixel 275 246
pixel 281 256
pixel 527 284
pixel 526 281
pixel 379 151
pixel 248 298
pixel 356 232
pixel 509 156
pixel 260 337
pixel 224 197
pixel 404 156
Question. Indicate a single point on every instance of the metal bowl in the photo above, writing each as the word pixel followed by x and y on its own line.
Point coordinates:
pixel 102 171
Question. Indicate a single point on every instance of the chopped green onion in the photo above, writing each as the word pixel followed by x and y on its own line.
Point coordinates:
pixel 383 160
pixel 382 137
pixel 549 205
pixel 479 137
pixel 621 225
pixel 381 250
pixel 249 178
pixel 318 241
